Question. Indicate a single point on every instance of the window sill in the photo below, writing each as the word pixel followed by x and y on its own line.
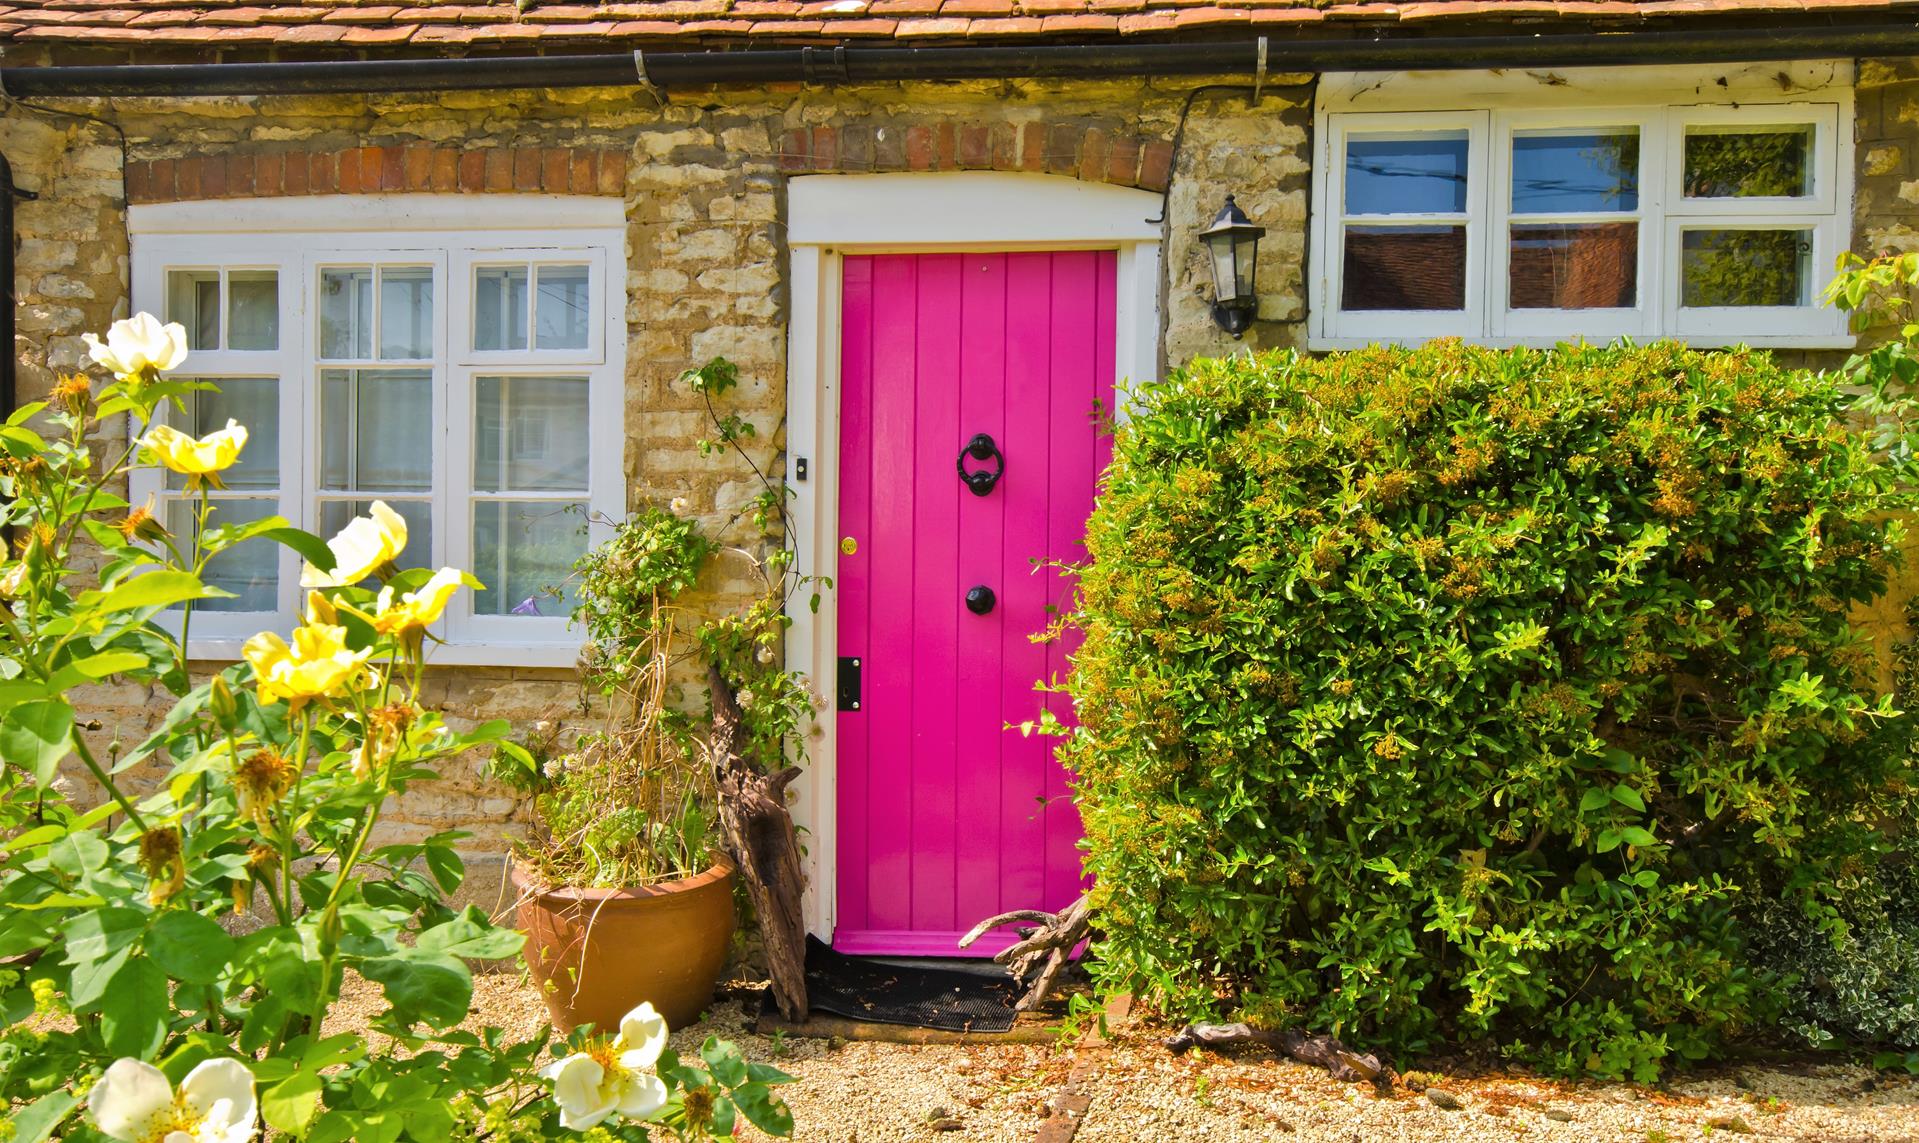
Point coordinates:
pixel 438 654
pixel 1782 341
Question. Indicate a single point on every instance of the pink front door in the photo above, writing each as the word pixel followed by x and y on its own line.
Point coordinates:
pixel 945 815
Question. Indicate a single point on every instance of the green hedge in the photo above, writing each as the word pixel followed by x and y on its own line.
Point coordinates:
pixel 1451 693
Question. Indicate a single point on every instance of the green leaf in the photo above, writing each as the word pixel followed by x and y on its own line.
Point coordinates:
pixel 35 736
pixel 1593 799
pixel 37 1122
pixel 725 1061
pixel 1634 835
pixel 189 947
pixel 472 936
pixel 763 1109
pixel 292 1104
pixel 133 1013
pixel 100 933
pixel 423 986
pixel 1627 796
pixel 154 589
pixel 310 547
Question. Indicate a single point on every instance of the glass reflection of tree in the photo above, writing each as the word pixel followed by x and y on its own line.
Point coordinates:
pixel 1743 268
pixel 1747 164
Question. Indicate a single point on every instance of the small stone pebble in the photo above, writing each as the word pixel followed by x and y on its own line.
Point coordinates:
pixel 1443 1099
pixel 1732 1123
pixel 1559 1115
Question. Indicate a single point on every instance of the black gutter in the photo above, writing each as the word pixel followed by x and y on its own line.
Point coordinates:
pixel 1701 45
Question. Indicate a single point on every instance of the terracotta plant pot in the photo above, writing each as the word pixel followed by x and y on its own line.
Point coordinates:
pixel 596 953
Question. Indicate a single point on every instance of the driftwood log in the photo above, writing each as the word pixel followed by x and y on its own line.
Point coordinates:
pixel 1046 944
pixel 1320 1051
pixel 760 833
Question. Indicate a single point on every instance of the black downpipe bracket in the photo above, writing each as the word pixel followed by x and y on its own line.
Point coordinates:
pixel 857 64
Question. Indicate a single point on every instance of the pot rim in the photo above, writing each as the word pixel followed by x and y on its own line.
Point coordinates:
pixel 721 870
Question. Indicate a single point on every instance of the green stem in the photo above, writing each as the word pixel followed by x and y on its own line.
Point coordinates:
pixel 100 775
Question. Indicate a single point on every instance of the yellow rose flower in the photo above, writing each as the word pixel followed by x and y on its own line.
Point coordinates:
pixel 416 609
pixel 200 461
pixel 317 665
pixel 368 545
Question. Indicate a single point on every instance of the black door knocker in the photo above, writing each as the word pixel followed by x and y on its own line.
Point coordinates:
pixel 980 599
pixel 981 447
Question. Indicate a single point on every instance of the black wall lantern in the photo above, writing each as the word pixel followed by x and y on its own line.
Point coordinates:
pixel 1233 242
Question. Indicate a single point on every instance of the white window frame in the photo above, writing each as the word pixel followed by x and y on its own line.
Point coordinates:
pixel 1422 323
pixel 297 238
pixel 1663 102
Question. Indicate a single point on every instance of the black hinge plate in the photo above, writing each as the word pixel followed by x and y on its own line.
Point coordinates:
pixel 849 684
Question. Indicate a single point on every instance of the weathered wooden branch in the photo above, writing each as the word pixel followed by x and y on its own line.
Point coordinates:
pixel 1320 1051
pixel 1043 950
pixel 760 833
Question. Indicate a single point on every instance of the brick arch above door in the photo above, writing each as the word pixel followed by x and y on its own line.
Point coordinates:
pixel 1085 151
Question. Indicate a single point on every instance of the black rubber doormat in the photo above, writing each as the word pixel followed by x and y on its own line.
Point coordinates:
pixel 884 992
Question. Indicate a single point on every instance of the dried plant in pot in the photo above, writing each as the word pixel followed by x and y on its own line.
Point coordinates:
pixel 625 892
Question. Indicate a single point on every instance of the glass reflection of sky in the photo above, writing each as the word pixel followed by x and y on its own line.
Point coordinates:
pixel 1424 174
pixel 1564 174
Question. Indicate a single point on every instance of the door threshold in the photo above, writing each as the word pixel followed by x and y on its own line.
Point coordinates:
pixel 1028 1028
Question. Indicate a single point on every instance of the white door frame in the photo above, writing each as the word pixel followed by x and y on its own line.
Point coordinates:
pixel 832 215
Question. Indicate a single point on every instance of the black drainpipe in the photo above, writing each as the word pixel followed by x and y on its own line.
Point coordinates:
pixel 10 362
pixel 1702 45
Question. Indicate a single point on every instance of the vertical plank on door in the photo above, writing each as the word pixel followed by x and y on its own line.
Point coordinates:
pixel 1074 360
pixel 935 586
pixel 888 676
pixel 854 583
pixel 1026 759
pixel 981 638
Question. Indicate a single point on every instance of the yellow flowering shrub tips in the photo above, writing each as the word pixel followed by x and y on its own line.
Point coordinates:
pixel 133 1012
pixel 1454 694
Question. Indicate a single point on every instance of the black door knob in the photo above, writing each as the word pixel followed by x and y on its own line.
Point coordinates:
pixel 980 599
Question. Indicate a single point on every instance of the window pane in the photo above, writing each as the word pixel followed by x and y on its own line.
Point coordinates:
pixel 561 315
pixel 1566 172
pixel 524 552
pixel 346 313
pixel 499 308
pixel 1745 268
pixel 529 434
pixel 406 312
pixel 253 309
pixel 193 300
pixel 376 430
pixel 1406 174
pixel 250 570
pixel 1575 267
pixel 1749 162
pixel 418 514
pixel 255 403
pixel 1404 268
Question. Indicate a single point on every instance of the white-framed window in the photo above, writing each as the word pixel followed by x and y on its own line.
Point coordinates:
pixel 1556 210
pixel 469 377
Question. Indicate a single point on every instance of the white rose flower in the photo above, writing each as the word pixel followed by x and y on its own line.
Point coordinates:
pixel 613 1075
pixel 133 1102
pixel 678 505
pixel 138 344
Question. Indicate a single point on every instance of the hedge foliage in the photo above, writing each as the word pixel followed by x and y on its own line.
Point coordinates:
pixel 1452 692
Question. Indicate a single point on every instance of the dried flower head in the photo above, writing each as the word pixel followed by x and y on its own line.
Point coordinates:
pixel 162 861
pixel 261 779
pixel 73 391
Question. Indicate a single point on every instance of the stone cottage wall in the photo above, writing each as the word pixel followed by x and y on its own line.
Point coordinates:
pixel 703 176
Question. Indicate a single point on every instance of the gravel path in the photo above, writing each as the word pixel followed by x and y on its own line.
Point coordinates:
pixel 878 1093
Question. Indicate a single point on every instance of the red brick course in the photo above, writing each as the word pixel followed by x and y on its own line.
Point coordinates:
pixel 366 170
pixel 1092 153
